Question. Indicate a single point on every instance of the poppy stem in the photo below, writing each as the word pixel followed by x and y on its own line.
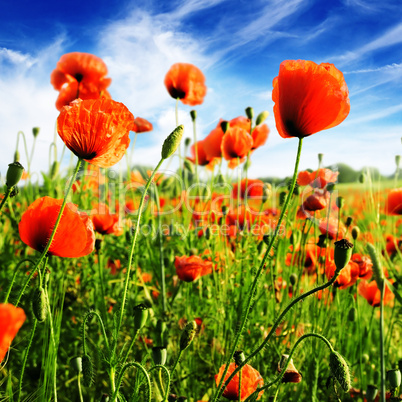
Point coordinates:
pixel 130 258
pixel 382 341
pixel 252 290
pixel 6 196
pixel 14 276
pixel 49 243
pixel 158 366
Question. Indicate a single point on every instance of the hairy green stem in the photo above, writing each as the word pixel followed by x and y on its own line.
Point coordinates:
pixel 14 276
pixel 158 366
pixel 88 315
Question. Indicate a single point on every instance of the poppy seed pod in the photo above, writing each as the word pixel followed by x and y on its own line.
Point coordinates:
pixel 159 355
pixel 340 202
pixel 225 126
pixel 39 306
pixel 261 117
pixel 249 112
pixel 355 232
pixel 35 131
pixel 342 254
pixel 378 272
pixel 187 141
pixel 172 142
pixel 340 370
pixel 371 392
pixel 14 174
pixel 349 221
pixel 394 378
pixel 188 334
pixel 320 157
pixel 193 114
pixel 140 316
pixel 76 364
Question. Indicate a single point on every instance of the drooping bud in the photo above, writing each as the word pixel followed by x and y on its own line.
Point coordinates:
pixel 266 192
pixel 220 179
pixel 291 373
pixel 39 306
pixel 76 364
pixel 14 174
pixel 188 334
pixel 293 279
pixel 266 238
pixel 340 202
pixel 330 187
pixel 193 114
pixel 340 370
pixel 394 378
pixel 355 232
pixel 172 142
pixel 261 117
pixel 322 241
pixel 225 126
pixel 378 272
pixel 159 355
pixel 249 112
pixel 371 392
pixel 140 316
pixel 342 254
pixel 160 330
pixel 87 371
pixel 35 131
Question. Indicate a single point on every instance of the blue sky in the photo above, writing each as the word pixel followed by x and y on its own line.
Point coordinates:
pixel 239 46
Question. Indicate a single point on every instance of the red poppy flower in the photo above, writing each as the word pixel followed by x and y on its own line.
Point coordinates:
pixel 113 265
pixel 191 268
pixel 308 98
pixel 316 201
pixel 141 125
pixel 212 143
pixel 79 75
pixel 74 236
pixel 370 291
pixel 394 202
pixel 236 144
pixel 255 189
pixel 105 222
pixel 318 179
pixel 260 136
pixel 365 265
pixel 187 83
pixel 346 278
pixel 96 130
pixel 203 159
pixel 250 380
pixel 11 320
pixel 331 226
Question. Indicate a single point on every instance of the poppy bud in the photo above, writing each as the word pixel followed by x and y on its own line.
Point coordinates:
pixel 208 233
pixel 266 192
pixel 394 378
pixel 172 142
pixel 39 306
pixel 54 169
pixel 352 314
pixel 159 355
pixel 220 179
pixel 362 178
pixel 239 357
pixel 98 245
pixel 291 373
pixel 293 279
pixel 282 197
pixel 378 272
pixel 397 160
pixel 14 174
pixel 188 334
pixel 295 238
pixel 371 392
pixel 365 358
pixel 76 364
pixel 35 131
pixel 322 241
pixel 87 371
pixel 16 156
pixel 331 187
pixel 160 330
pixel 249 112
pixel 225 126
pixel 224 210
pixel 193 114
pixel 320 156
pixel 140 316
pixel 261 117
pixel 188 165
pixel 342 254
pixel 187 141
pixel 355 232
pixel 349 221
pixel 340 370
pixel 260 246
pixel 340 202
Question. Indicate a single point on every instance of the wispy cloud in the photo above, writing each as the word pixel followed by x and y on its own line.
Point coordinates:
pixel 16 58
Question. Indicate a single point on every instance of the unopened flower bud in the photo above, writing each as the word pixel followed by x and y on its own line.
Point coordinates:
pixel 295 238
pixel 349 221
pixel 342 253
pixel 378 272
pixel 208 233
pixel 340 370
pixel 193 114
pixel 220 179
pixel 340 202
pixel 355 232
pixel 14 174
pixel 76 364
pixel 187 141
pixel 188 334
pixel 159 355
pixel 267 239
pixel 188 165
pixel 397 160
pixel 225 126
pixel 362 178
pixel 249 112
pixel 224 210
pixel 266 192
pixel 322 241
pixel 87 371
pixel 35 131
pixel 394 378
pixel 239 357
pixel 293 279
pixel 140 316
pixel 330 187
pixel 39 306
pixel 371 392
pixel 261 118
pixel 282 197
pixel 172 142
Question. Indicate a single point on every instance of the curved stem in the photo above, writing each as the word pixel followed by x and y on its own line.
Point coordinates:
pixel 254 284
pixel 6 196
pixel 86 317
pixel 14 276
pixel 159 366
pixel 176 363
pixel 49 243
pixel 130 258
